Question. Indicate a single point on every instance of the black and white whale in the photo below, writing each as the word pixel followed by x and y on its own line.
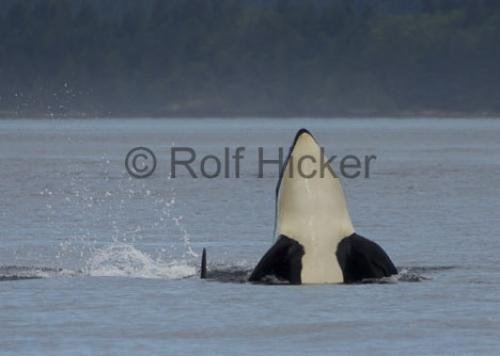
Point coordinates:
pixel 316 241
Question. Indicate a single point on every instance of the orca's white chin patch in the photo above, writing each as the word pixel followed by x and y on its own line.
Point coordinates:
pixel 311 209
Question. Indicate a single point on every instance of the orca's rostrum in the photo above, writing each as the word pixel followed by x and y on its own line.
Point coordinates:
pixel 316 241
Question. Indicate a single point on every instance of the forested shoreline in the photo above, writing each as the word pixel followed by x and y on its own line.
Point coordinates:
pixel 85 58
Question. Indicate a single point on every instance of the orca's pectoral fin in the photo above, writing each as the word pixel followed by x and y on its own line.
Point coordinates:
pixel 283 260
pixel 360 258
pixel 203 269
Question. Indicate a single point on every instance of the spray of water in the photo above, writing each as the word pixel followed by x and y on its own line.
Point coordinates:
pixel 122 256
pixel 124 260
pixel 178 219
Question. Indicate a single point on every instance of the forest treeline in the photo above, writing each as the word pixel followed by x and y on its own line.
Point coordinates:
pixel 249 58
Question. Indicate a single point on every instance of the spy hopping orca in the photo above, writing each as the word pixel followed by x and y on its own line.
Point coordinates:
pixel 316 241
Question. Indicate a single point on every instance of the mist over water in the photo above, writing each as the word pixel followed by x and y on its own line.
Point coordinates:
pixel 105 248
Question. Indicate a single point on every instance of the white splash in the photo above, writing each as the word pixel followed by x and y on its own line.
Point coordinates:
pixel 124 260
pixel 407 275
pixel 169 209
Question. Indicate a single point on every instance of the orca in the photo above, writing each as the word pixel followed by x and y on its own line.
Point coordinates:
pixel 315 239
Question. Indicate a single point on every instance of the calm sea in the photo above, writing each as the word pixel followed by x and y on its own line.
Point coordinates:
pixel 117 258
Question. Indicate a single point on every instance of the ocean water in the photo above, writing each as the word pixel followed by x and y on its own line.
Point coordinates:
pixel 94 261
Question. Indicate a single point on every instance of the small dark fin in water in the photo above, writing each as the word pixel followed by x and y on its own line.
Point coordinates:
pixel 203 273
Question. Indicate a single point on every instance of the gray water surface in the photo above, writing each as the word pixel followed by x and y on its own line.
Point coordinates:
pixel 117 258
